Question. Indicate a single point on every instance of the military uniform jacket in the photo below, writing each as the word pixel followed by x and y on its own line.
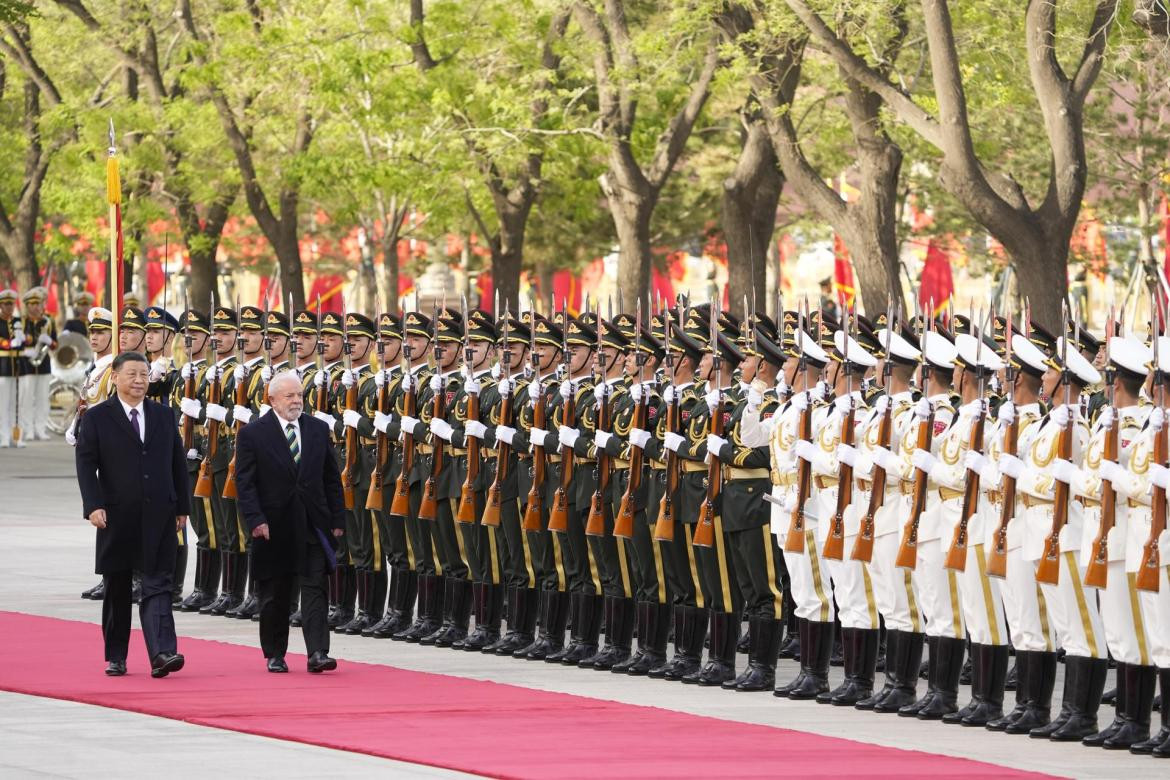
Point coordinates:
pixel 517 402
pixel 826 466
pixel 695 428
pixel 523 443
pixel 10 357
pixel 1138 488
pixel 907 474
pixel 421 377
pixel 1131 422
pixel 163 390
pixel 1037 486
pixel 1028 416
pixel 445 484
pixel 457 416
pixel 394 393
pixel 32 330
pixel 198 440
pixel 367 399
pixel 747 472
pixel 622 416
pixel 584 482
pixel 950 475
pixel 224 448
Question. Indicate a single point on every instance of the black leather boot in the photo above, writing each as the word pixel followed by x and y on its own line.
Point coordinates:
pixel 889 653
pixel 1098 739
pixel 1090 674
pixel 180 576
pixel 947 670
pixel 430 609
pixel 790 647
pixel 223 577
pixel 688 657
pixel 864 649
pixel 607 607
pixel 989 669
pixel 554 615
pixel 250 609
pixel 911 710
pixel 642 631
pixel 653 627
pixel 1158 740
pixel 382 628
pixel 344 594
pixel 587 614
pixel 489 613
pixel 819 648
pixel 522 608
pixel 765 648
pixel 802 655
pixel 198 597
pixel 744 645
pixel 848 657
pixel 478 611
pixel 1037 681
pixel 906 661
pixel 978 678
pixel 365 594
pixel 619 634
pixel 456 614
pixel 1139 682
pixel 731 685
pixel 1019 668
pixel 720 665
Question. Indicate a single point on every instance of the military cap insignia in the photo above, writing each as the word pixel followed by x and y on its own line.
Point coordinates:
pixel 249 314
pixel 329 320
pixel 789 317
pixel 303 317
pixel 220 314
pixel 441 325
pixel 573 328
pixel 542 327
pixel 273 319
pixel 386 321
pixel 351 321
pixel 413 320
pixel 128 313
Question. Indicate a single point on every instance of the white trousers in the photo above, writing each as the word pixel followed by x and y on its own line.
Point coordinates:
pixel 34 405
pixel 7 408
pixel 937 588
pixel 1024 607
pixel 1123 615
pixel 1156 614
pixel 893 589
pixel 982 603
pixel 809 581
pixel 853 589
pixel 1073 610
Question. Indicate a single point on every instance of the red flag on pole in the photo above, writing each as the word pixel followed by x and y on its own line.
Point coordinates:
pixel 937 284
pixel 843 285
pixel 114 199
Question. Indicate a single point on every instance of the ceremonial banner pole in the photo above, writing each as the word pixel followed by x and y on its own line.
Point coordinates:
pixel 114 199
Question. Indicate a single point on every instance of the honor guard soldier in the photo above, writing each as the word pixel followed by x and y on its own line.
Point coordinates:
pixel 161 327
pixel 539 478
pixel 40 338
pixel 79 322
pixel 304 349
pixel 132 330
pixel 12 341
pixel 196 328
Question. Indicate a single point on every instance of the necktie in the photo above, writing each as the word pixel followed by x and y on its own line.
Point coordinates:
pixel 134 423
pixel 293 447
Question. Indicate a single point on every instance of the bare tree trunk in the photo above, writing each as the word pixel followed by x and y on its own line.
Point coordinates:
pixel 750 196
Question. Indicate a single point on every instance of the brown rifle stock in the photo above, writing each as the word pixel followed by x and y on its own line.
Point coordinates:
pixel 203 486
pixel 1097 571
pixel 428 508
pixel 558 518
pixel 835 543
pixel 535 503
pixel 863 546
pixel 794 542
pixel 466 511
pixel 908 549
pixel 1148 572
pixel 957 553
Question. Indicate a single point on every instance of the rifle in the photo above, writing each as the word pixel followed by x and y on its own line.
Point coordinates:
pixel 1097 570
pixel 203 484
pixel 908 550
pixel 374 497
pixel 863 546
pixel 623 524
pixel 794 542
pixel 705 527
pixel 1048 567
pixel 558 519
pixel 957 554
pixel 599 506
pixel 664 525
pixel 429 507
pixel 997 561
pixel 535 501
pixel 400 504
pixel 323 395
pixel 495 500
pixel 1147 578
pixel 835 543
pixel 466 511
pixel 349 472
pixel 241 399
pixel 188 384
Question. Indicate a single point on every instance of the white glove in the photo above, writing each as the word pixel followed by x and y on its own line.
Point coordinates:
pixel 566 390
pixel 436 382
pixel 883 459
pixel 187 371
pixel 496 371
pixel 636 392
pixel 882 403
pixel 328 419
pixel 1157 418
pixel 266 374
pixel 974 462
pixel 193 455
pixel 238 373
pixel 350 418
pixel 1007 413
pixel 712 399
pixel 1106 418
pixel 44 340
pixel 348 378
pixel 534 392
pixel 800 402
pixel 842 403
pixel 475 429
pixel 382 421
pixel 847 455
pixel 754 399
pixel 672 441
pixel 1064 471
pixel 805 450
pixel 71 437
pixel 639 438
pixel 922 410
pixel 1060 416
pixel 781 388
pixel 1160 475
pixel 505 434
pixel 17 340
pixel 505 387
pixel 158 369
pixel 441 429
pixel 408 381
pixel 715 445
pixel 380 379
pixel 538 436
pixel 471 386
pixel 567 436
pixel 216 412
pixel 822 389
pixel 1011 465
pixel 601 438
pixel 30 352
pixel 319 379
pixel 241 414
pixel 599 394
pixel 190 407
pixel 264 409
pixel 1112 471
pixel 923 461
pixel 668 394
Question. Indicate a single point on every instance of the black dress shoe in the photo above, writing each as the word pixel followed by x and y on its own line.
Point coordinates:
pixel 165 663
pixel 277 665
pixel 96 593
pixel 115 668
pixel 320 662
pixel 295 619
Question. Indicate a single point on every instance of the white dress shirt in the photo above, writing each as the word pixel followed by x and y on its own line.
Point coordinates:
pixel 141 416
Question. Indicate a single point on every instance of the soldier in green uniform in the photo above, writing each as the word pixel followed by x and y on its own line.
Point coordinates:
pixel 160 331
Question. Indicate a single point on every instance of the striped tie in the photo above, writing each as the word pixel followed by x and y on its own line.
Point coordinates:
pixel 293 447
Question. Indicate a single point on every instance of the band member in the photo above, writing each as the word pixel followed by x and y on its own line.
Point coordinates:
pixel 79 322
pixel 40 336
pixel 12 341
pixel 122 443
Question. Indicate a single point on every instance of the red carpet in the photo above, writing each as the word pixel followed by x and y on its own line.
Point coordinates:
pixel 467 725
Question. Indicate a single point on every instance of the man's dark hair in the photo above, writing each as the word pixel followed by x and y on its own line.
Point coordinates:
pixel 126 357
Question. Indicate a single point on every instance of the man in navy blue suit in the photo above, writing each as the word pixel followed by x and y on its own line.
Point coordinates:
pixel 289 493
pixel 132 472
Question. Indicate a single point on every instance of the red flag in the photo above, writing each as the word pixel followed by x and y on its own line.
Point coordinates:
pixel 660 286
pixel 330 287
pixel 1166 234
pixel 155 278
pixel 486 291
pixel 937 284
pixel 566 287
pixel 843 286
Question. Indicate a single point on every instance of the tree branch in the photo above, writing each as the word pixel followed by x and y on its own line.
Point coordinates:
pixel 674 139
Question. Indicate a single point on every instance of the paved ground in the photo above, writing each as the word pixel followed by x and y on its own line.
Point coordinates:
pixel 46 557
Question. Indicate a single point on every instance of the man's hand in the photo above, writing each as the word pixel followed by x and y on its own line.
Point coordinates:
pixel 97 518
pixel 180 523
pixel 260 531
